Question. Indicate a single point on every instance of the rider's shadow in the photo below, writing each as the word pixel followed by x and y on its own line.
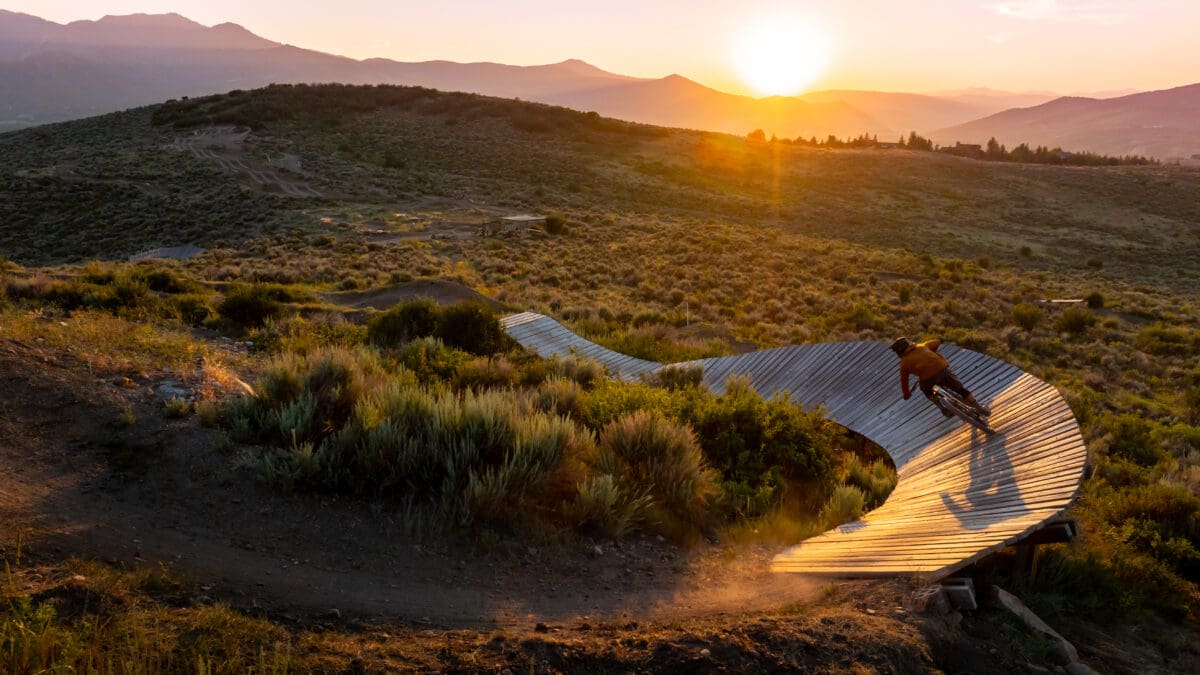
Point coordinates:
pixel 993 486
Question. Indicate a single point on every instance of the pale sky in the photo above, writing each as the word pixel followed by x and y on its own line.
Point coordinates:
pixel 1064 46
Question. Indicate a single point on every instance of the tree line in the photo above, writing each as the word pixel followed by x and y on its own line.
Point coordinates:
pixel 993 152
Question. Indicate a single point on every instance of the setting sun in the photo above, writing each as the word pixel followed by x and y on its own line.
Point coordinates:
pixel 781 56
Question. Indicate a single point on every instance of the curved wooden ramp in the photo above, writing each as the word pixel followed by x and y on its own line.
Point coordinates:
pixel 549 338
pixel 960 495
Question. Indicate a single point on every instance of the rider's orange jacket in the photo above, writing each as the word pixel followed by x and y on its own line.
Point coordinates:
pixel 921 360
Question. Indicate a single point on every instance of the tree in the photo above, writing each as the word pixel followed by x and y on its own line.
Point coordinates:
pixel 917 142
pixel 757 136
pixel 995 151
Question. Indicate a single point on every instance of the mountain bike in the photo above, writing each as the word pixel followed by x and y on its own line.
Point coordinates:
pixel 973 415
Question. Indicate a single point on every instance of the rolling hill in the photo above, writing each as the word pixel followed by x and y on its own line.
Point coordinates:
pixel 1161 124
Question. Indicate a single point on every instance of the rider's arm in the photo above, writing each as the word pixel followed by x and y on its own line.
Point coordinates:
pixel 904 382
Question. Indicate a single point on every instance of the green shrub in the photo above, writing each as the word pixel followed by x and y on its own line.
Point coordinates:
pixel 123 296
pixel 604 508
pixel 1094 300
pixel 250 305
pixel 411 320
pixel 609 400
pixel 556 223
pixel 1171 510
pixel 210 414
pixel 486 373
pixel 162 280
pixel 1163 340
pixel 430 360
pixel 584 372
pixel 679 377
pixel 466 457
pixel 300 335
pixel 654 340
pixel 845 504
pixel 1132 437
pixel 744 435
pixel 1087 582
pixel 1074 320
pixel 304 399
pixel 192 308
pixel 131 297
pixel 1191 404
pixel 876 481
pixel 176 408
pixel 863 317
pixel 1120 472
pixel 559 396
pixel 472 327
pixel 662 458
pixel 1027 316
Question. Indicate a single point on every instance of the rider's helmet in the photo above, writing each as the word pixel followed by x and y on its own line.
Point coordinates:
pixel 901 345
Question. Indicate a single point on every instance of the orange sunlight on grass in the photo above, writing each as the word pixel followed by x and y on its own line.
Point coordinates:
pixel 781 56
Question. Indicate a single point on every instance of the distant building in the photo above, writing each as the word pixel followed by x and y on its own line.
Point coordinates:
pixel 972 150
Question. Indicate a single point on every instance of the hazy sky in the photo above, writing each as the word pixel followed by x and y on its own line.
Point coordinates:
pixel 1064 46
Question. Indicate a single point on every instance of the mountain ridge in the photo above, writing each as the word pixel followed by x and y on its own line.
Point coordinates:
pixel 131 60
pixel 1160 123
pixel 116 50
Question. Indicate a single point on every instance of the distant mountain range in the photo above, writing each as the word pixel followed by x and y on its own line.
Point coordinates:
pixel 1160 124
pixel 52 72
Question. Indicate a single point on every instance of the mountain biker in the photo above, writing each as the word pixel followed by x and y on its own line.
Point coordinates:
pixel 932 369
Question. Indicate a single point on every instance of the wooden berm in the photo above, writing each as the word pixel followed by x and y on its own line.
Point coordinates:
pixel 961 495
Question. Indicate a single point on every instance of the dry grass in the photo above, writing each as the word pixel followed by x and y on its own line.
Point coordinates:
pixel 104 342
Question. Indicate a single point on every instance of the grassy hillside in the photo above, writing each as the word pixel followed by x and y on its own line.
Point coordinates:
pixel 390 145
pixel 672 244
pixel 110 186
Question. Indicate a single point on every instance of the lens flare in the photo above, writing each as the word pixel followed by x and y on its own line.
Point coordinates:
pixel 781 56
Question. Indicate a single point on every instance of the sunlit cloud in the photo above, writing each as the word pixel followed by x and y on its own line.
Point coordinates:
pixel 1053 10
pixel 998 38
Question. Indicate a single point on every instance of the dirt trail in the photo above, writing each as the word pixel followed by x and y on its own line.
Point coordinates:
pixel 156 492
pixel 223 146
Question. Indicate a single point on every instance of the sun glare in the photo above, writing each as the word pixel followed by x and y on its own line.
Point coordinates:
pixel 781 56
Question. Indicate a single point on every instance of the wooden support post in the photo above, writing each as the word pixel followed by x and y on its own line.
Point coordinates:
pixel 1023 562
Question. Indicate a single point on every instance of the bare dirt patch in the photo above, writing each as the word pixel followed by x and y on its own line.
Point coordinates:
pixel 225 147
pixel 440 291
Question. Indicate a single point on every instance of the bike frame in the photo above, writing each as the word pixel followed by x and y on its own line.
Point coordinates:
pixel 963 410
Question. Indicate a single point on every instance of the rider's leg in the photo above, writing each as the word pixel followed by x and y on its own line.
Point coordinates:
pixel 927 389
pixel 951 381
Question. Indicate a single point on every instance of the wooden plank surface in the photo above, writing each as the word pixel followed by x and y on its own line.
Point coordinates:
pixel 961 494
